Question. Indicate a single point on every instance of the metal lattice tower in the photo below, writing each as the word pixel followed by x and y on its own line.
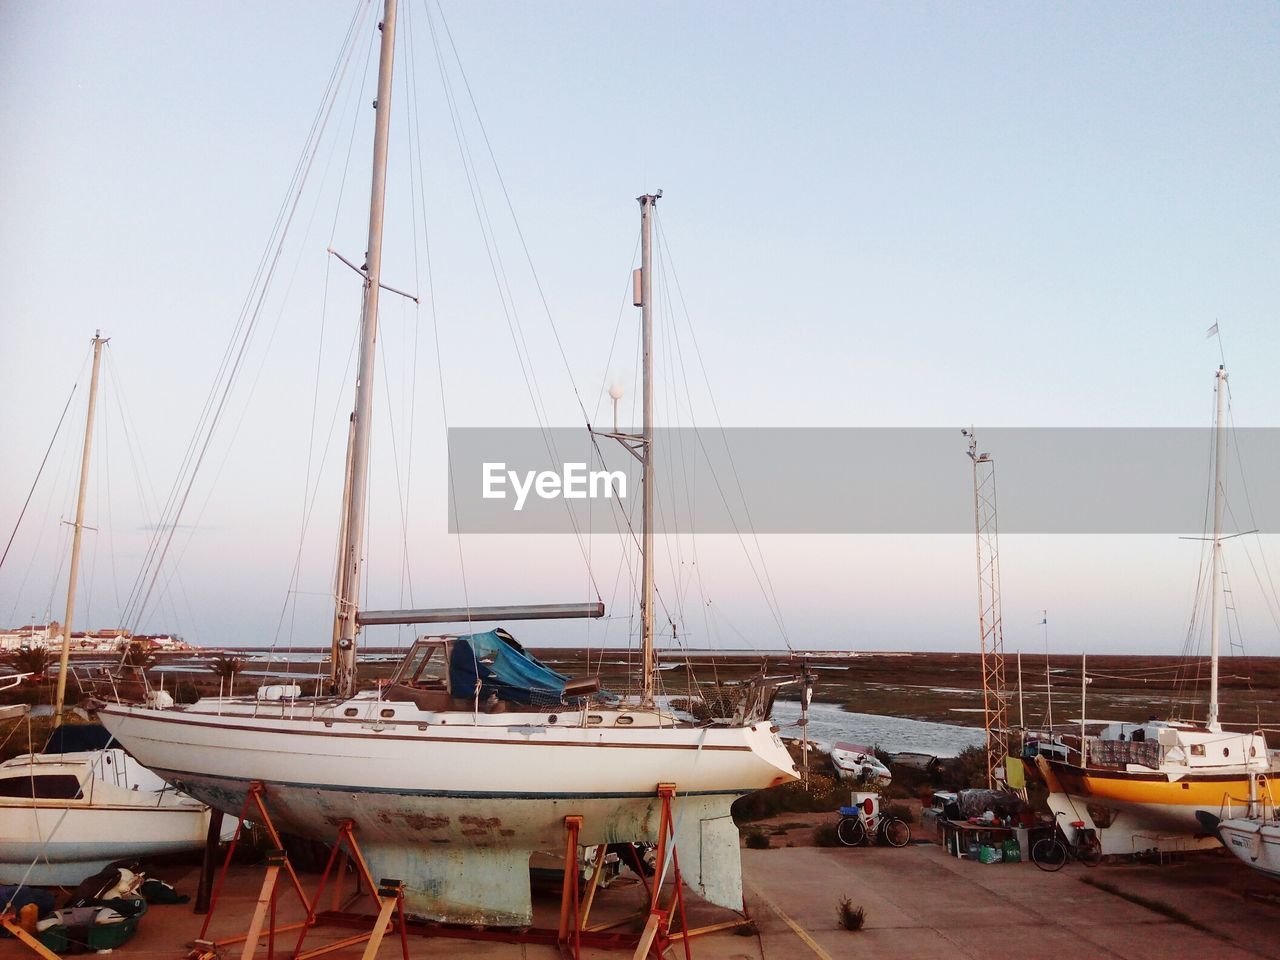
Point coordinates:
pixel 995 701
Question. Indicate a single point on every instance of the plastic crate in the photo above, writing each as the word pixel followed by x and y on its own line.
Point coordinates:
pixel 108 936
pixel 54 938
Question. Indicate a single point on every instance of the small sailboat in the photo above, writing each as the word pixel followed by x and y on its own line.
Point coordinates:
pixel 1142 785
pixel 469 760
pixel 70 809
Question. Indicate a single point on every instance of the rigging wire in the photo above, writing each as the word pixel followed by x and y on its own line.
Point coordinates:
pixel 234 355
pixel 355 96
pixel 498 268
pixel 39 471
pixel 418 263
pixel 763 578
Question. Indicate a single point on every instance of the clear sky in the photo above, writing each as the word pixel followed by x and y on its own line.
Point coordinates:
pixel 906 214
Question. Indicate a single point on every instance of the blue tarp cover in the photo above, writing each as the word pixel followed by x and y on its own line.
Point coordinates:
pixel 504 668
pixel 77 738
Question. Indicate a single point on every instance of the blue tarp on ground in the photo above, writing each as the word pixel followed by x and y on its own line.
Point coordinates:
pixel 504 669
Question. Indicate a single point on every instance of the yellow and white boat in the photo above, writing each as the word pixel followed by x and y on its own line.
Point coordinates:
pixel 1141 794
pixel 1140 784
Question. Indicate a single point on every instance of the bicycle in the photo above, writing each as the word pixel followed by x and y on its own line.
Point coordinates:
pixel 858 829
pixel 1051 853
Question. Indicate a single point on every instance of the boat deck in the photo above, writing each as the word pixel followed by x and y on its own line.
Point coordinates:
pixel 919 903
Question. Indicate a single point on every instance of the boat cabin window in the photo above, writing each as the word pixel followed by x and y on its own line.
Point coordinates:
pixel 60 786
pixel 426 664
pixel 1197 749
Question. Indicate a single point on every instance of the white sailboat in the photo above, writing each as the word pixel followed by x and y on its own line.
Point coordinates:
pixel 453 779
pixel 82 802
pixel 1142 785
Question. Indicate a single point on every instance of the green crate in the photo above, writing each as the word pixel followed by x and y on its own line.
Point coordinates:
pixel 988 854
pixel 55 939
pixel 108 936
pixel 1012 854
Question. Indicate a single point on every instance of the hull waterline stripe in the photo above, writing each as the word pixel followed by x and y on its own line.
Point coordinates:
pixel 201 779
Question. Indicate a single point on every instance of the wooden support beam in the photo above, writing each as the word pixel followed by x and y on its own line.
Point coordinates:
pixel 379 927
pixel 26 939
pixel 266 897
pixel 647 936
pixel 601 855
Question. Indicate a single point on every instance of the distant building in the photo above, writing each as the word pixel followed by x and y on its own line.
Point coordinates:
pixel 30 635
pixel 92 641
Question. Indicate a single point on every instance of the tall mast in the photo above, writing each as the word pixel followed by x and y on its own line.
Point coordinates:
pixel 1219 497
pixel 356 481
pixel 647 203
pixel 74 575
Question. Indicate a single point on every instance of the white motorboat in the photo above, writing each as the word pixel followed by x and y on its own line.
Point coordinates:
pixel 67 813
pixel 1253 834
pixel 859 764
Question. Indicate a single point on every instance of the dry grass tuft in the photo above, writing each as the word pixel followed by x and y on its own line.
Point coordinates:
pixel 851 917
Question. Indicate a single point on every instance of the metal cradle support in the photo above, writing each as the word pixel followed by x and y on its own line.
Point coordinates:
pixel 255 810
pixel 388 895
pixel 572 933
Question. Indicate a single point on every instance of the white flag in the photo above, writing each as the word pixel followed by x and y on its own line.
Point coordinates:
pixel 1212 332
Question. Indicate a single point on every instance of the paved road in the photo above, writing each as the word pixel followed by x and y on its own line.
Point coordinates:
pixel 918 901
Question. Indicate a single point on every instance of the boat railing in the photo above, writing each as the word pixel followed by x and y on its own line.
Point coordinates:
pixel 1261 805
pixel 128 685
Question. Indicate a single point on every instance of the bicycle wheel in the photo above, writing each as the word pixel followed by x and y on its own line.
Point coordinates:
pixel 1089 851
pixel 895 832
pixel 1049 854
pixel 851 831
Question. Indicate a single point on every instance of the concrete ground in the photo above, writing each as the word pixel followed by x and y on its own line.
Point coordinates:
pixel 919 902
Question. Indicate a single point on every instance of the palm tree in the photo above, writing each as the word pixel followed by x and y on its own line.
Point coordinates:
pixel 225 665
pixel 136 655
pixel 33 660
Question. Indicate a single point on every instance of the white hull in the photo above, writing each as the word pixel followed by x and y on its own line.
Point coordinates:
pixel 1255 842
pixel 86 839
pixel 454 804
pixel 1135 827
pixel 123 813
